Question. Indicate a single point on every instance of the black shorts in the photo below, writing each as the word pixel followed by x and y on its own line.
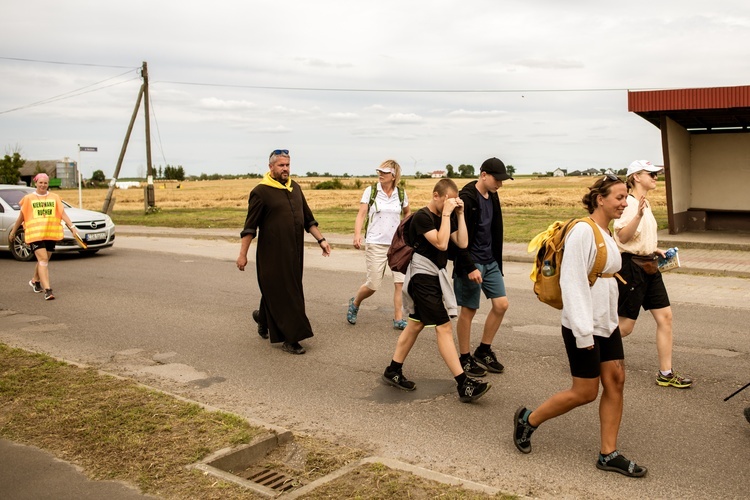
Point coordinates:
pixel 642 290
pixel 428 300
pixel 48 245
pixel 585 363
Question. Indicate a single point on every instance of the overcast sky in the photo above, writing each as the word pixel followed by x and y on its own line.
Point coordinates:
pixel 539 84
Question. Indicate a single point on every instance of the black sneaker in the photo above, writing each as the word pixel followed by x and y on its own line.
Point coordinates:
pixel 293 347
pixel 36 286
pixel 471 390
pixel 471 368
pixel 48 294
pixel 488 360
pixel 522 430
pixel 262 329
pixel 397 379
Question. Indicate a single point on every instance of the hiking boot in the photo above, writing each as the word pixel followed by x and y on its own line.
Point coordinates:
pixel 488 360
pixel 472 389
pixel 351 314
pixel 262 329
pixel 471 368
pixel 36 286
pixel 397 379
pixel 522 430
pixel 616 462
pixel 48 294
pixel 674 380
pixel 399 324
pixel 293 347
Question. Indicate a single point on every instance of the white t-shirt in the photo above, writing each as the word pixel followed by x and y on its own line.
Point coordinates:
pixel 385 215
pixel 645 239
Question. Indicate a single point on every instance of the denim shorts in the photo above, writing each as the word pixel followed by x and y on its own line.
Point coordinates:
pixel 493 286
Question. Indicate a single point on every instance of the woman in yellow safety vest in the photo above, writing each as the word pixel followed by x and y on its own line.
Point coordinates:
pixel 41 213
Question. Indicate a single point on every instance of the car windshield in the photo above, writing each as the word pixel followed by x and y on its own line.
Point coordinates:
pixel 13 197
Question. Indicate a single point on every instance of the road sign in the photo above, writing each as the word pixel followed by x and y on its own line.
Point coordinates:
pixel 85 148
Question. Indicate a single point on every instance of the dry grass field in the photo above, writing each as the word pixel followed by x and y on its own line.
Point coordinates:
pixel 524 192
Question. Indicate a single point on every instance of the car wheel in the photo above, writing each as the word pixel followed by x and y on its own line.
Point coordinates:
pixel 20 250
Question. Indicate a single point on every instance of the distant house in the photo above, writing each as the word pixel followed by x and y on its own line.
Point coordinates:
pixel 437 174
pixel 591 171
pixel 575 173
pixel 559 172
pixel 65 170
pixel 609 171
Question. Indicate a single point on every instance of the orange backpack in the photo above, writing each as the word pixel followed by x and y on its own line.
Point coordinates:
pixel 549 246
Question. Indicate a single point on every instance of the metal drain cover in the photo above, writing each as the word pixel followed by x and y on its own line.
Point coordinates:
pixel 270 478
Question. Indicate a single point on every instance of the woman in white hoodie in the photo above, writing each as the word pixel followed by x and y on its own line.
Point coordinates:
pixel 590 332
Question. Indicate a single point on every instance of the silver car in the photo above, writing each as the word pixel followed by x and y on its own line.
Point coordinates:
pixel 95 228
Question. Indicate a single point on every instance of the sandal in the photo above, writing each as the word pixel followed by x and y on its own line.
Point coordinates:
pixel 616 462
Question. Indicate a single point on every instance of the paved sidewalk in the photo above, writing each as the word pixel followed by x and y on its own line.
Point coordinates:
pixel 705 253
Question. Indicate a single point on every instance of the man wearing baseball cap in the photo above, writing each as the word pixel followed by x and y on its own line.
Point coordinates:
pixel 479 267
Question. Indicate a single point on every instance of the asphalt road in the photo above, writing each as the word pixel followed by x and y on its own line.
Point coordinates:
pixel 175 314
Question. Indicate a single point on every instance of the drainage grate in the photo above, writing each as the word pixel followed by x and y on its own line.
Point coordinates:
pixel 270 478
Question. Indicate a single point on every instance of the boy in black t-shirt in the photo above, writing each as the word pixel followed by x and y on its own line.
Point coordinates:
pixel 428 286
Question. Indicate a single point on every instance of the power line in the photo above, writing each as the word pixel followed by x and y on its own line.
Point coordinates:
pixel 74 93
pixel 411 91
pixel 158 132
pixel 65 63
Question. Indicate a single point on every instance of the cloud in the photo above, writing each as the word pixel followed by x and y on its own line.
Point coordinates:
pixel 404 118
pixel 213 103
pixel 463 113
pixel 343 116
pixel 545 63
pixel 320 63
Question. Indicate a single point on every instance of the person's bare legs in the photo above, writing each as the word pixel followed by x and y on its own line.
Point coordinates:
pixel 610 405
pixel 463 328
pixel 363 293
pixel 663 318
pixel 406 340
pixel 494 319
pixel 398 313
pixel 626 326
pixel 583 391
pixel 42 267
pixel 447 348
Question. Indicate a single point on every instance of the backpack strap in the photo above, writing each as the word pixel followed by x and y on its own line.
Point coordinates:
pixel 601 255
pixel 373 194
pixel 400 197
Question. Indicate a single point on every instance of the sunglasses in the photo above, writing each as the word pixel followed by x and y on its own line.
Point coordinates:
pixel 612 177
pixel 653 175
pixel 384 172
pixel 279 152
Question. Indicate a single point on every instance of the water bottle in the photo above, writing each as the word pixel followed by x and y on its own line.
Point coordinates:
pixel 548 269
pixel 668 254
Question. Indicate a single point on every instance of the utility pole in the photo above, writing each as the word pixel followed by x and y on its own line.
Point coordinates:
pixel 148 197
pixel 149 201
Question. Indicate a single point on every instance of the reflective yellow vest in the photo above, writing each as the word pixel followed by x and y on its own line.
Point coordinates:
pixel 41 217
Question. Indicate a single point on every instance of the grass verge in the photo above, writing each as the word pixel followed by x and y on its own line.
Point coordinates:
pixel 520 224
pixel 116 429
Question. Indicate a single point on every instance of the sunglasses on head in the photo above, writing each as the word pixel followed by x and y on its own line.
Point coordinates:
pixel 279 152
pixel 612 177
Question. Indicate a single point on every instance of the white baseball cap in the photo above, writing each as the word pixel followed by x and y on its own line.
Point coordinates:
pixel 641 165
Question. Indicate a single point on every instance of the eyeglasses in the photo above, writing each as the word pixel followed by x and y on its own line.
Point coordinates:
pixel 279 152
